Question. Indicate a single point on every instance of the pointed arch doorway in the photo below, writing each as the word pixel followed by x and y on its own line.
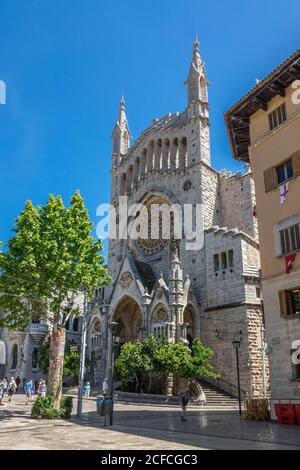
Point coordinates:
pixel 128 315
pixel 189 319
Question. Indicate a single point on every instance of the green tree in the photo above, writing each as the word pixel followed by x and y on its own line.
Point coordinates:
pixel 130 363
pixel 157 356
pixel 49 259
pixel 71 360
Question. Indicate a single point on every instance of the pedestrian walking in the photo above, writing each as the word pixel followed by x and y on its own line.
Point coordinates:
pixel 1 391
pixel 29 391
pixel 105 386
pixel 12 387
pixel 18 381
pixel 42 391
pixel 87 390
pixel 184 401
pixel 5 385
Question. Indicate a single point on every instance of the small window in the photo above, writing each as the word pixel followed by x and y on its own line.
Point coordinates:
pixel 290 239
pixel 75 324
pixel 35 358
pixel 216 263
pixel 230 258
pixel 285 172
pixel 68 324
pixel 258 293
pixel 278 175
pixel 277 117
pixel 224 260
pixel 290 302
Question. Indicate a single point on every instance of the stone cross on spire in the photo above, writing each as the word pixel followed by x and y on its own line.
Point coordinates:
pixel 121 134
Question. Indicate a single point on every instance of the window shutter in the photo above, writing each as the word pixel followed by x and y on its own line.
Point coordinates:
pixel 270 182
pixel 283 303
pixel 296 163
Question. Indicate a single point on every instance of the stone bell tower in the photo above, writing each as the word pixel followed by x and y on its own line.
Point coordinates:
pixel 198 109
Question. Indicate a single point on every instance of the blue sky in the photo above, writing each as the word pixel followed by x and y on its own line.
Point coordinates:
pixel 66 63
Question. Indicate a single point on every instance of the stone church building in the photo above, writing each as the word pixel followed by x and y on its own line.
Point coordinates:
pixel 158 285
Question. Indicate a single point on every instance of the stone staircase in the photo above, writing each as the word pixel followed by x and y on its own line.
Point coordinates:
pixel 217 398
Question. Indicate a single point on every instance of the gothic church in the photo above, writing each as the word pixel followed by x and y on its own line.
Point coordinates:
pixel 159 286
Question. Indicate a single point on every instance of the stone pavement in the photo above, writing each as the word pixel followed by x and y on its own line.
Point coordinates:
pixel 141 427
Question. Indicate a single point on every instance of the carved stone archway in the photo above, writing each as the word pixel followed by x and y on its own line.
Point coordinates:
pixel 129 317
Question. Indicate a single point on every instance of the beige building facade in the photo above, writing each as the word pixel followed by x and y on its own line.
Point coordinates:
pixel 264 129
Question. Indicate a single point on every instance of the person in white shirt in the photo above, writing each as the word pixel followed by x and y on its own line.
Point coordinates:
pixel 105 386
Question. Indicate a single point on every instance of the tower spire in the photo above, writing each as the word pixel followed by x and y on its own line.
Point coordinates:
pixel 121 134
pixel 197 80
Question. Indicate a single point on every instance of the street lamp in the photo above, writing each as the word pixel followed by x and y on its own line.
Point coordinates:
pixel 85 319
pixel 236 344
pixel 113 339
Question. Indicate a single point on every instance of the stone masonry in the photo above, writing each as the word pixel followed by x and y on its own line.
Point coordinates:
pixel 161 287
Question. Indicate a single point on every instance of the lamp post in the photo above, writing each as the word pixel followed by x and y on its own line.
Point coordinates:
pixel 82 356
pixel 263 364
pixel 112 330
pixel 236 345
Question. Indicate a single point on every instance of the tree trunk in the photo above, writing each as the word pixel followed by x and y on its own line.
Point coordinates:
pixel 150 382
pixel 56 364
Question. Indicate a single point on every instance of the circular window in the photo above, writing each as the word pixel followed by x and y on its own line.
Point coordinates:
pixel 187 185
pixel 156 240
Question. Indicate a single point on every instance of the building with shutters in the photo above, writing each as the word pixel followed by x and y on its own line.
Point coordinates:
pixel 264 130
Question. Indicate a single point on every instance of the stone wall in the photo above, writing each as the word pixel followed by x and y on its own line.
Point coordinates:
pixel 238 202
pixel 219 328
pixel 225 286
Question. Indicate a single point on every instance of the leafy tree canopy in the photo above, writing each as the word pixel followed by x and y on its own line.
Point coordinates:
pixel 161 357
pixel 49 258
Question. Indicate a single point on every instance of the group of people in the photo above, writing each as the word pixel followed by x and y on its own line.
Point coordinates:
pixel 12 386
pixel 7 386
pixel 38 387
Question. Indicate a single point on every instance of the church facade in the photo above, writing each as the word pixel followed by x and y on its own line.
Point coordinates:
pixel 161 287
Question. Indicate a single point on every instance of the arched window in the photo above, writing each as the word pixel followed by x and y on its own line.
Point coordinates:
pixel 75 324
pixel 35 358
pixel 68 324
pixel 15 356
pixel 95 333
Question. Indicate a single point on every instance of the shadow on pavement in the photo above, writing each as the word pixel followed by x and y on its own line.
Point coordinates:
pixel 165 424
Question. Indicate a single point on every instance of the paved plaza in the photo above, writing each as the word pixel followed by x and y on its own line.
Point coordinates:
pixel 141 427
